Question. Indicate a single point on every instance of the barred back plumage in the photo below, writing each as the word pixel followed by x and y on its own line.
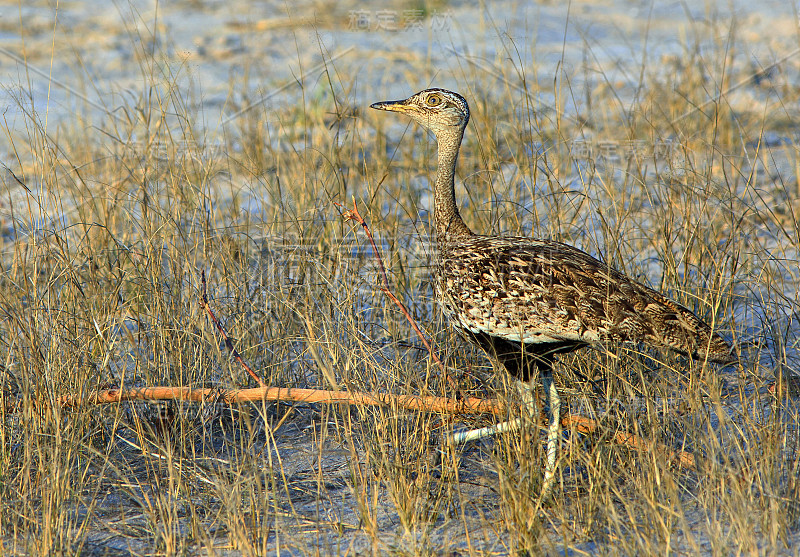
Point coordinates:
pixel 525 300
pixel 544 292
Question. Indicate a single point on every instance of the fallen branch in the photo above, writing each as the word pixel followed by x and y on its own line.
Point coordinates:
pixel 588 425
pixel 410 402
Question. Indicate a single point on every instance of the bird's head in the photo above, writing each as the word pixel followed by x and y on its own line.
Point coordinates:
pixel 436 109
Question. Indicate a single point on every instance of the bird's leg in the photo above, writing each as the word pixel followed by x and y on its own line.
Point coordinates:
pixel 553 432
pixel 528 402
pixel 473 434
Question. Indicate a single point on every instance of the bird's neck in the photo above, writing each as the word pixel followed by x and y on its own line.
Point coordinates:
pixel 449 225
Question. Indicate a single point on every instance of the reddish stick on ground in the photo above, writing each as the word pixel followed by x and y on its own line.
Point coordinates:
pixel 410 402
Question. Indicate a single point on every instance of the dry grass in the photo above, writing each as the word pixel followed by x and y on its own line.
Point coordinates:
pixel 102 251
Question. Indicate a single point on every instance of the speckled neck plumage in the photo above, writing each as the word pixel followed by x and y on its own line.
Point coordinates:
pixel 448 222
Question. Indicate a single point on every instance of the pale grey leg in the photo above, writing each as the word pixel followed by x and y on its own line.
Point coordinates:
pixel 528 401
pixel 488 431
pixel 553 430
pixel 553 433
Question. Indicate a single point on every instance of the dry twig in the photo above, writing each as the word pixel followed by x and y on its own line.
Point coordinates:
pixel 410 402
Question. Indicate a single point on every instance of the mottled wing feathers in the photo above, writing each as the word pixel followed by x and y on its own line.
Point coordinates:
pixel 543 292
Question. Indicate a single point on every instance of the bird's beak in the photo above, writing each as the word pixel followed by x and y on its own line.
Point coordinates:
pixel 392 106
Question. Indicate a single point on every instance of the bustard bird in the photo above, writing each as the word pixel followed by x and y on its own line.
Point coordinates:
pixel 525 300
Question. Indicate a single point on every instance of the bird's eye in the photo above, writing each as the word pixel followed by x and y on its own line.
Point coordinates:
pixel 434 100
